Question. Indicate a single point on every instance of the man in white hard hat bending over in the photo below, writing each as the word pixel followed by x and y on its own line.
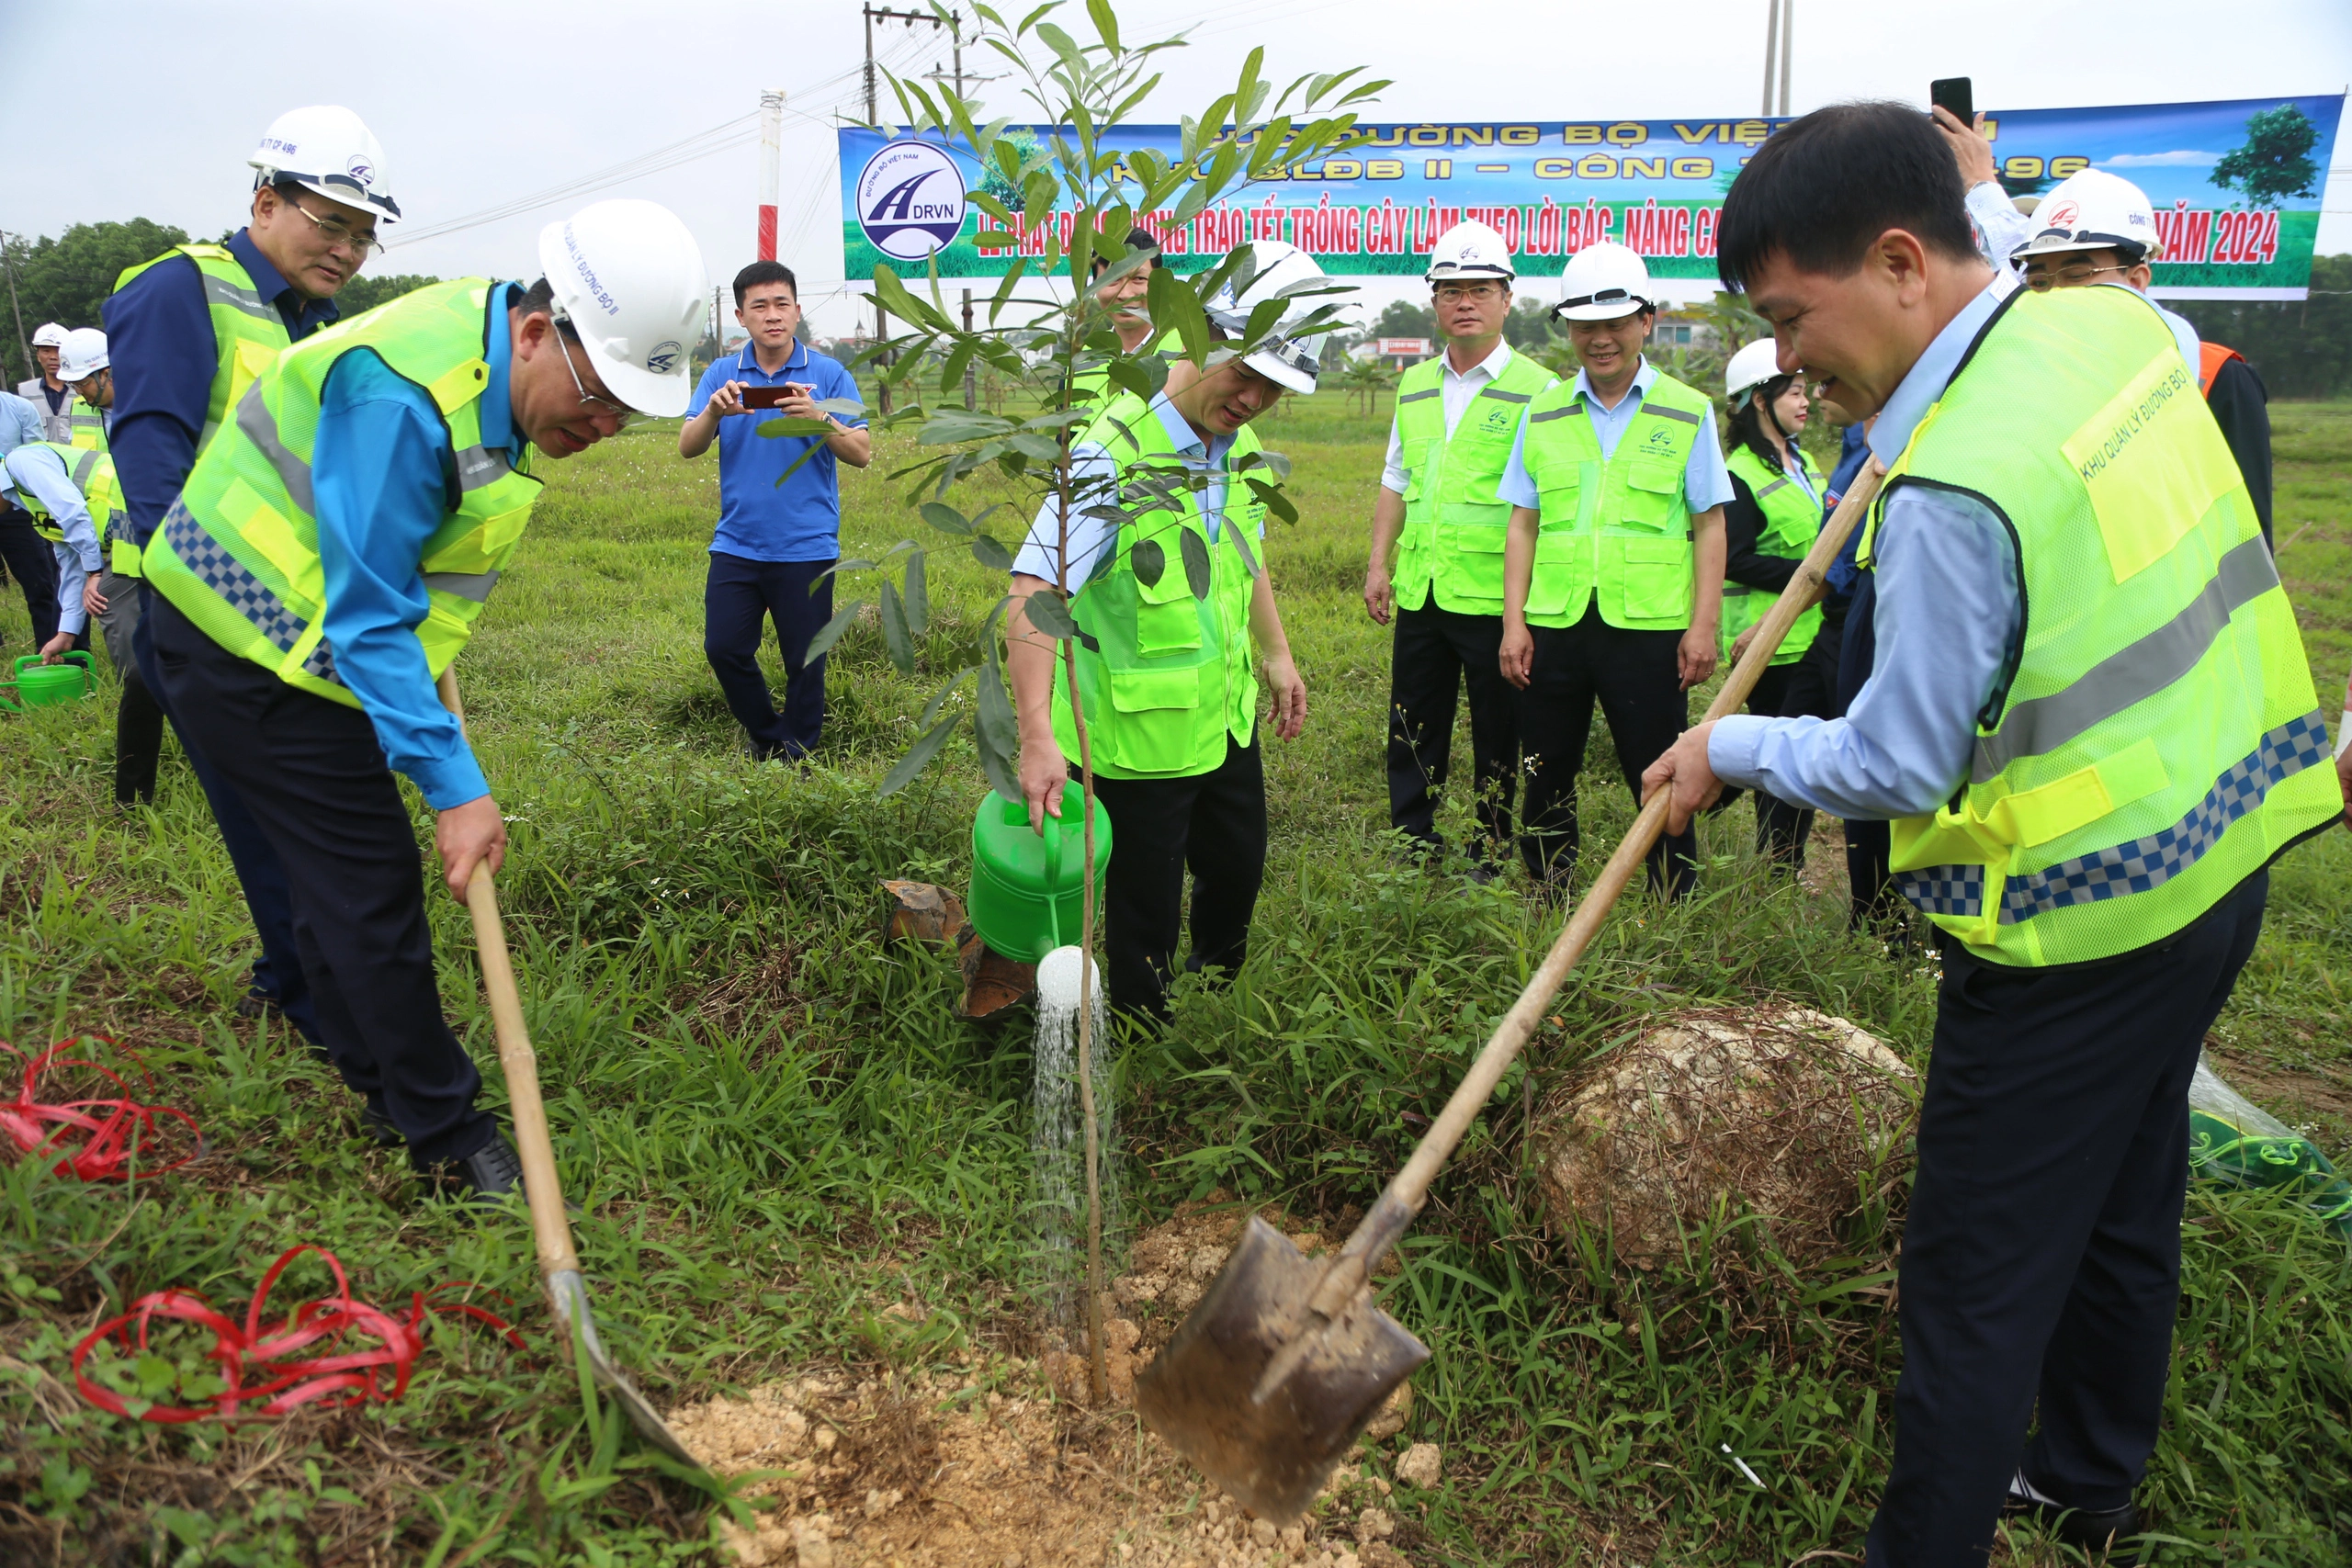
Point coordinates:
pixel 328 557
pixel 1614 578
pixel 188 332
pixel 1168 600
pixel 1439 510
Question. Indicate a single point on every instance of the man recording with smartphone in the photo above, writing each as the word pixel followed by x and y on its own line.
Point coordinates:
pixel 779 509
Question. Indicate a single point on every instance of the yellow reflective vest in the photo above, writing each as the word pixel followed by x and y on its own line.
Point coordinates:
pixel 1455 519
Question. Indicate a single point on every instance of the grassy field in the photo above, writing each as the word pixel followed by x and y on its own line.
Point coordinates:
pixel 775 1128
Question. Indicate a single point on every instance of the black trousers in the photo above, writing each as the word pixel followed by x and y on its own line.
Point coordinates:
pixel 28 559
pixel 1639 684
pixel 1435 653
pixel 277 973
pixel 1806 687
pixel 2041 1258
pixel 1213 824
pixel 311 773
pixel 138 722
pixel 738 601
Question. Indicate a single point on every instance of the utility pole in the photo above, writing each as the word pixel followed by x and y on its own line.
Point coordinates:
pixel 32 366
pixel 873 116
pixel 970 373
pixel 770 154
pixel 1771 46
pixel 1788 36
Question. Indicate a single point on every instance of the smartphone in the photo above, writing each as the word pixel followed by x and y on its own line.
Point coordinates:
pixel 1956 94
pixel 766 397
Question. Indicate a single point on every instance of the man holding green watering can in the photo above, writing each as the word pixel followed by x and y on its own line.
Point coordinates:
pixel 1168 600
pixel 47 481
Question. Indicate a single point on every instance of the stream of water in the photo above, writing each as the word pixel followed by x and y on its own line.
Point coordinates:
pixel 1057 1140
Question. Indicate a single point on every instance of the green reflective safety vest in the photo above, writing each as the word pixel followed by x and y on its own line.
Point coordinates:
pixel 1455 520
pixel 2156 738
pixel 1093 389
pixel 1791 522
pixel 1617 527
pixel 89 428
pixel 247 331
pixel 1164 659
pixel 92 474
pixel 238 552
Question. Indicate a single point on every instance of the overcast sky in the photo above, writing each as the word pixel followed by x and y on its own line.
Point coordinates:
pixel 478 104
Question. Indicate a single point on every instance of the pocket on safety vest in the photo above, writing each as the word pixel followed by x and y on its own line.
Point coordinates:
pixel 2051 811
pixel 1657 585
pixel 1156 711
pixel 1652 489
pixel 1167 620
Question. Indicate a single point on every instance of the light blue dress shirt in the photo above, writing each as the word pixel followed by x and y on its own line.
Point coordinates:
pixel 379 476
pixel 1706 483
pixel 1092 464
pixel 19 422
pixel 1947 618
pixel 40 472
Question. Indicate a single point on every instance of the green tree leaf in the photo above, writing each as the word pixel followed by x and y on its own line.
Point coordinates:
pixel 919 756
pixel 822 643
pixel 897 638
pixel 1050 616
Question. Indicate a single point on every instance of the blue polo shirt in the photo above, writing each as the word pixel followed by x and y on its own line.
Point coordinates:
pixel 759 519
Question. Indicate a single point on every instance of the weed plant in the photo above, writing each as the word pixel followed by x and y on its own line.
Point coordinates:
pixel 775 1127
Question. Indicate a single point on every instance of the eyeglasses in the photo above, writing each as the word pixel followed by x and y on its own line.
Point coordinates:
pixel 1478 291
pixel 2071 277
pixel 620 414
pixel 335 231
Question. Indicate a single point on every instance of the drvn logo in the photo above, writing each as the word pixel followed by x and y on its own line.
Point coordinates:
pixel 911 200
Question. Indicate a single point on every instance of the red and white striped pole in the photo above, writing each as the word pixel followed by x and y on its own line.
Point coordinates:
pixel 771 139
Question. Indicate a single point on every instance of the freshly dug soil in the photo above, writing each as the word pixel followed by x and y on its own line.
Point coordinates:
pixel 999 1463
pixel 1790 1113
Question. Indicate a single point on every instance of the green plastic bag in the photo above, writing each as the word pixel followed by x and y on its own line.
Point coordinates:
pixel 2235 1143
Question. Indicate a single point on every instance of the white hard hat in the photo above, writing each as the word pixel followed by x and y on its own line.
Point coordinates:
pixel 83 354
pixel 49 334
pixel 2094 211
pixel 1470 250
pixel 1602 282
pixel 1749 368
pixel 327 149
pixel 629 279
pixel 1273 270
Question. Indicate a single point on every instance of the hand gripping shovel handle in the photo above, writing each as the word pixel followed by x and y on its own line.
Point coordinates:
pixel 1403 1198
pixel 550 1230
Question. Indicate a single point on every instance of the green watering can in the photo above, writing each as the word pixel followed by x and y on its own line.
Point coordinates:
pixel 42 685
pixel 1028 891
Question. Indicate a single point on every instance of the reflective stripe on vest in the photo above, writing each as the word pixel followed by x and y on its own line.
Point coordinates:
pixel 89 431
pixel 247 331
pixel 1165 665
pixel 1617 530
pixel 92 475
pixel 238 553
pixel 1456 521
pixel 1792 522
pixel 2155 739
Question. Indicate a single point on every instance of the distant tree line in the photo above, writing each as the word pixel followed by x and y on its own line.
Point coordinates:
pixel 66 279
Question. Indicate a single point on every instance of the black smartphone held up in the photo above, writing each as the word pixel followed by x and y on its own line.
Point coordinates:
pixel 766 397
pixel 1956 94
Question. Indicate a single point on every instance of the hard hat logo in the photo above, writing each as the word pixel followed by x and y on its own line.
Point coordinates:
pixel 2062 215
pixel 360 169
pixel 911 200
pixel 664 357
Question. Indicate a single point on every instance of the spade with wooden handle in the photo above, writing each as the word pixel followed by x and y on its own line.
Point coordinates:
pixel 550 1228
pixel 1269 1380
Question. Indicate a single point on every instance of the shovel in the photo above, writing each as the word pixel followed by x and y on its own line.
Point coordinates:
pixel 558 1264
pixel 1267 1383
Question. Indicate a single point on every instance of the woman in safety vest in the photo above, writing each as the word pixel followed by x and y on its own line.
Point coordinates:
pixel 1771 520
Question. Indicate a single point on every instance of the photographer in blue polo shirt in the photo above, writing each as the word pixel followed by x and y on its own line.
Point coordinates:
pixel 773 539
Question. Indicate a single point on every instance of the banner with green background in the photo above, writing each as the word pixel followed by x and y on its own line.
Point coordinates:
pixel 2236 187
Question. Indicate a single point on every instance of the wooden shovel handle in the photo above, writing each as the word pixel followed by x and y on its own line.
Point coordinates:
pixel 549 1228
pixel 1403 1198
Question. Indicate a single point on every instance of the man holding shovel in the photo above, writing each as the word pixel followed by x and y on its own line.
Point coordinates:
pixel 327 560
pixel 1168 600
pixel 2092 723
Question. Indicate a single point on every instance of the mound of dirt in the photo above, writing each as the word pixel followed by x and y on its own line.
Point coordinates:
pixel 1791 1113
pixel 1000 1464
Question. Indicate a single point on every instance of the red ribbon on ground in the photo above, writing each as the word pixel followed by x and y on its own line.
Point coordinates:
pixel 258 1363
pixel 96 1147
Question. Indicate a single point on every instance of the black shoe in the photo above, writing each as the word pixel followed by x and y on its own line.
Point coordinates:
pixel 261 1004
pixel 377 1123
pixel 485 1176
pixel 1484 872
pixel 2084 1529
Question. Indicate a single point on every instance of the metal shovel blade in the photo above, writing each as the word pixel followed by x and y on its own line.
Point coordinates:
pixel 569 1295
pixel 1272 1454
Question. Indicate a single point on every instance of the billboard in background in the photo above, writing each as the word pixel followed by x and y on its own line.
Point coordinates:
pixel 2238 188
